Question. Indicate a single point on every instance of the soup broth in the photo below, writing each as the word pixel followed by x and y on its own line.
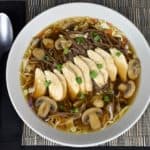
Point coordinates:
pixel 80 74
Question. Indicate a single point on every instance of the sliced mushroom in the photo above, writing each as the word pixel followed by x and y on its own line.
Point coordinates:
pixel 63 81
pixel 120 62
pixel 99 61
pixel 134 69
pixel 38 53
pixel 39 83
pixel 99 79
pixel 110 109
pixel 70 76
pixel 35 42
pixel 78 73
pixel 55 87
pixel 48 43
pixel 90 116
pixel 62 43
pixel 111 67
pixel 128 89
pixel 45 105
pixel 97 101
pixel 86 71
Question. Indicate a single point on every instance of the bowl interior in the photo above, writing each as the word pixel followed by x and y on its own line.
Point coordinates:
pixel 39 23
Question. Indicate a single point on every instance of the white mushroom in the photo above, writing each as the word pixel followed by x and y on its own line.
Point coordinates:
pixel 111 67
pixel 120 62
pixel 86 71
pixel 128 89
pixel 45 105
pixel 97 101
pixel 110 109
pixel 48 43
pixel 38 53
pixel 99 78
pixel 62 43
pixel 55 87
pixel 90 116
pixel 70 76
pixel 39 83
pixel 98 59
pixel 79 74
pixel 63 81
pixel 134 69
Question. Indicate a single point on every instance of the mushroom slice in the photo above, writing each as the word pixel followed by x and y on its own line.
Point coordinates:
pixel 111 67
pixel 70 76
pixel 110 109
pixel 63 81
pixel 55 88
pixel 134 68
pixel 99 78
pixel 38 53
pixel 120 62
pixel 86 72
pixel 100 63
pixel 128 89
pixel 48 43
pixel 79 74
pixel 45 105
pixel 90 116
pixel 97 101
pixel 39 83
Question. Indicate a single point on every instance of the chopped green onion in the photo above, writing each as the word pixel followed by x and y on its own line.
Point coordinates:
pixel 66 51
pixel 81 96
pixel 47 83
pixel 79 80
pixel 59 67
pixel 99 66
pixel 118 53
pixel 80 40
pixel 96 36
pixel 106 98
pixel 46 58
pixel 93 74
pixel 74 110
pixel 61 107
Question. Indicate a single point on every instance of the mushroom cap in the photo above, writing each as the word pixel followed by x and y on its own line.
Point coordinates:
pixel 121 63
pixel 48 43
pixel 127 88
pixel 111 67
pixel 130 89
pixel 85 116
pixel 86 72
pixel 134 68
pixel 39 83
pixel 45 105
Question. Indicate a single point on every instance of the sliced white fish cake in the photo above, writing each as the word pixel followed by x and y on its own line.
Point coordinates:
pixel 55 87
pixel 63 81
pixel 110 65
pixel 99 62
pixel 120 62
pixel 79 75
pixel 99 78
pixel 70 76
pixel 86 73
pixel 39 83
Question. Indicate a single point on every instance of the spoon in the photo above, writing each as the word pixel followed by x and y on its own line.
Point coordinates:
pixel 6 34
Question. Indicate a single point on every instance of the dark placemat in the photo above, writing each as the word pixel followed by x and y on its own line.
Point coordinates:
pixel 138 11
pixel 10 124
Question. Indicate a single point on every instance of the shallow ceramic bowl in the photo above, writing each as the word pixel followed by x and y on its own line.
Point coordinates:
pixel 42 21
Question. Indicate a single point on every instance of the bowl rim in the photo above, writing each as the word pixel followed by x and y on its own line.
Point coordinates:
pixel 8 76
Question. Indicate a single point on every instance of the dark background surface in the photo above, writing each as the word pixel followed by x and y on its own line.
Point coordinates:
pixel 138 11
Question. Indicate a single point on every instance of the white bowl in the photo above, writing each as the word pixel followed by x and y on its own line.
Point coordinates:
pixel 39 23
